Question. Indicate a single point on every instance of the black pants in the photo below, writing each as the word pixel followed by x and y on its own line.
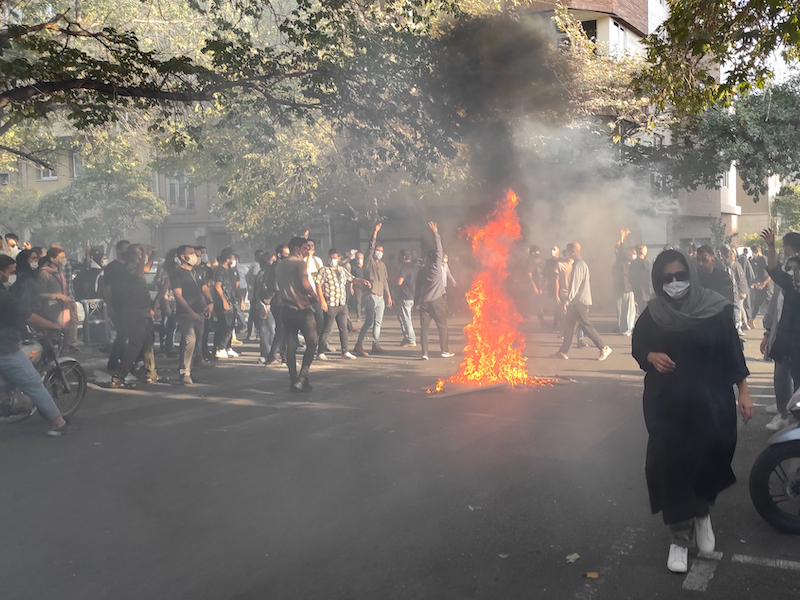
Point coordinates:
pixel 579 314
pixel 319 318
pixel 436 310
pixel 336 314
pixel 120 341
pixel 223 332
pixel 302 321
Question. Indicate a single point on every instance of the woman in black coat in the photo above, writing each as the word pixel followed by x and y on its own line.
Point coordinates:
pixel 687 344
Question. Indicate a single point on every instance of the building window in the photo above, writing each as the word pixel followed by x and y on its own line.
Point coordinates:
pixel 590 28
pixel 5 178
pixel 723 180
pixel 180 193
pixel 47 175
pixel 619 38
pixel 78 164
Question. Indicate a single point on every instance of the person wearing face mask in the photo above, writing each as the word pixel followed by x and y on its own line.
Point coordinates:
pixel 26 288
pixel 193 304
pixel 687 344
pixel 225 296
pixel 784 342
pixel 8 270
pixel 12 247
pixel 55 303
pixel 331 285
pixel 379 296
pixel 205 274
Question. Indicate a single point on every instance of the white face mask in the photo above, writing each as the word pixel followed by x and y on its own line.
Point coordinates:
pixel 445 261
pixel 334 262
pixel 34 264
pixel 62 262
pixel 12 279
pixel 676 289
pixel 378 254
pixel 233 264
pixel 104 262
pixel 12 252
pixel 192 260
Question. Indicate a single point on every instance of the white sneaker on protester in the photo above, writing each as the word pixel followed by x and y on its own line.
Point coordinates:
pixel 448 354
pixel 772 409
pixel 349 355
pixel 262 360
pixel 704 534
pixel 322 356
pixel 678 561
pixel 232 353
pixel 778 422
pixel 221 354
pixel 604 353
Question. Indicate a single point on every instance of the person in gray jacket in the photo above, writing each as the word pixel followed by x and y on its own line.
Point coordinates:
pixel 577 305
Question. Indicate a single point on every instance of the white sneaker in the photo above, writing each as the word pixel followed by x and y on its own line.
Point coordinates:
pixel 349 355
pixel 604 353
pixel 772 409
pixel 704 534
pixel 678 561
pixel 322 356
pixel 778 422
pixel 424 357
pixel 262 360
pixel 231 353
pixel 448 354
pixel 221 354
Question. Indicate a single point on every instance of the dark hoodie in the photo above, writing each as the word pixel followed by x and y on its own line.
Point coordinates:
pixel 430 283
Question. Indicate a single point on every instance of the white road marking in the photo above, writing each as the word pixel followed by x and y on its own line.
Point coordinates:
pixel 789 565
pixel 700 575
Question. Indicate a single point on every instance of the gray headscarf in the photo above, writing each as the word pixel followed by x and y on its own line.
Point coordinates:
pixel 698 304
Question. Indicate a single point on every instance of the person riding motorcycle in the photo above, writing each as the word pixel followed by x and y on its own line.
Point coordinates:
pixel 17 368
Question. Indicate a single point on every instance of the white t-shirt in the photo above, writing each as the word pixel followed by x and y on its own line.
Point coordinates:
pixel 314 264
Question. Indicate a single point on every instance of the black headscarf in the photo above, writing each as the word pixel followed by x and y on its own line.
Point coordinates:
pixel 698 304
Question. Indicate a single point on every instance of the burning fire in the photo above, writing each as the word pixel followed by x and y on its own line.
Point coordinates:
pixel 495 346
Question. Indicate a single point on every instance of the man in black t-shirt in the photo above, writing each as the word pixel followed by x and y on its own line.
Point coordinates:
pixel 193 302
pixel 113 274
pixel 205 273
pixel 224 294
pixel 407 283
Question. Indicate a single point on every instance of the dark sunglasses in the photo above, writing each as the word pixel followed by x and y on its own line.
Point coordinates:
pixel 670 277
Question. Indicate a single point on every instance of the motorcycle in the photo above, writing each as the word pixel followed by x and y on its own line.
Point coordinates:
pixel 775 477
pixel 63 377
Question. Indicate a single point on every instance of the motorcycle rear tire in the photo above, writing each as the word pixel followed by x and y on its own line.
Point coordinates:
pixel 76 376
pixel 760 492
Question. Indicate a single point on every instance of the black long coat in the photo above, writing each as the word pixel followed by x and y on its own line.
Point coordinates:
pixel 690 413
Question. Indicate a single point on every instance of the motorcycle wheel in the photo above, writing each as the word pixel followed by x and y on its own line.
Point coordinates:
pixel 67 400
pixel 775 486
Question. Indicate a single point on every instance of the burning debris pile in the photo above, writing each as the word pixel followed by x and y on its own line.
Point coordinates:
pixel 495 345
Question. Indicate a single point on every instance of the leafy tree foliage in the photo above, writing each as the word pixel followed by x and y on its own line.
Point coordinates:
pixel 786 207
pixel 701 38
pixel 759 132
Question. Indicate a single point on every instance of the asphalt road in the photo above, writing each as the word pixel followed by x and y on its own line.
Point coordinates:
pixel 366 488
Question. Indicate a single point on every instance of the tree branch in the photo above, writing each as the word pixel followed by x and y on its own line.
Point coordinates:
pixel 26 156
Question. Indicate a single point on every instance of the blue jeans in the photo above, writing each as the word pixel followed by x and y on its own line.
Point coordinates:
pixel 266 332
pixel 18 369
pixel 404 316
pixel 373 319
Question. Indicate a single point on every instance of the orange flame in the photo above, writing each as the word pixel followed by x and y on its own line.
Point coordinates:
pixel 495 346
pixel 439 387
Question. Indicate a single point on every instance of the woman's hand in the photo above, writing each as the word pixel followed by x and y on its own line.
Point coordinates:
pixel 661 362
pixel 763 347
